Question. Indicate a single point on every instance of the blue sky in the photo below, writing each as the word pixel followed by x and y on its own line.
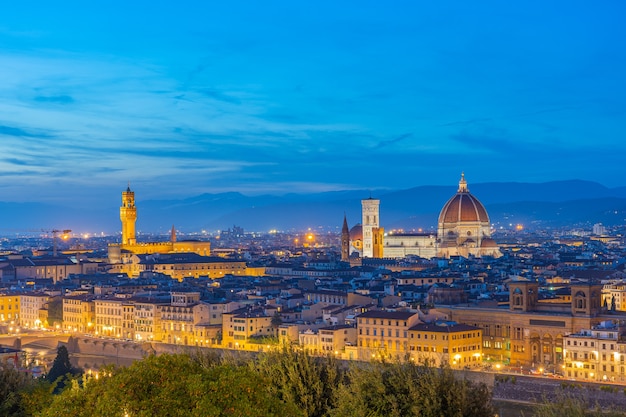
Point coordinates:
pixel 182 98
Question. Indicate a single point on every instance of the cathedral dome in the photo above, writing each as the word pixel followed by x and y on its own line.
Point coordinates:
pixel 488 243
pixel 356 233
pixel 463 207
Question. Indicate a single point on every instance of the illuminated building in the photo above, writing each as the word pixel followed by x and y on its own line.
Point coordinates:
pixel 463 230
pixel 30 306
pixel 178 318
pixel 595 354
pixel 463 227
pixel 147 317
pixel 9 308
pixel 79 313
pixel 185 265
pixel 372 232
pixel 530 332
pixel 120 254
pixel 334 339
pixel 356 240
pixel 114 317
pixel 446 343
pixel 385 334
pixel 239 326
pixel 329 340
pixel 614 295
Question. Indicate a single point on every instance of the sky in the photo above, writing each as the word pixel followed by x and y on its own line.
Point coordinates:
pixel 190 97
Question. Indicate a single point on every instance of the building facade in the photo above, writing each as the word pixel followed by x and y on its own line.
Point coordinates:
pixel 446 343
pixel 385 334
pixel 119 254
pixel 596 354
pixel 372 232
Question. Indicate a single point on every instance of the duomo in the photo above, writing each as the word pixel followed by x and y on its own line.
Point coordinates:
pixel 463 229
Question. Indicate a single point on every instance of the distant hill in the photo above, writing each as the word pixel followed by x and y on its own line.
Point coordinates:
pixel 550 204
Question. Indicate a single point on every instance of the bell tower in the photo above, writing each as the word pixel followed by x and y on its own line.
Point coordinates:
pixel 128 216
pixel 372 232
pixel 345 241
pixel 523 295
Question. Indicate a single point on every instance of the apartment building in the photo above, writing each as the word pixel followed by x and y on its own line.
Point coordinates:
pixel 385 334
pixel 446 343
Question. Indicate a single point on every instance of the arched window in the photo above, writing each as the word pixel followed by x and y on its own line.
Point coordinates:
pixel 580 300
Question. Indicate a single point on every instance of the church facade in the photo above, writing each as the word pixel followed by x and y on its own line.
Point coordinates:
pixel 463 229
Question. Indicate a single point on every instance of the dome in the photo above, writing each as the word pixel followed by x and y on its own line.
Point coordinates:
pixel 463 207
pixel 356 233
pixel 488 243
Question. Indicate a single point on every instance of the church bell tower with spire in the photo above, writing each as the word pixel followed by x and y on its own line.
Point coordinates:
pixel 128 216
pixel 345 241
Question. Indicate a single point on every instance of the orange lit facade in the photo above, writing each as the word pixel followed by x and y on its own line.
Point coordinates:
pixel 119 254
pixel 384 334
pixel 10 308
pixel 530 333
pixel 79 314
pixel 241 325
pixel 596 354
pixel 445 343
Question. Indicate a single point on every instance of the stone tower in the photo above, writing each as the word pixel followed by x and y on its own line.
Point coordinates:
pixel 345 241
pixel 586 299
pixel 128 216
pixel 523 295
pixel 372 239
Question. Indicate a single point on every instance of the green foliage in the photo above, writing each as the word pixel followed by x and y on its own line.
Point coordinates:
pixel 12 384
pixel 37 397
pixel 401 389
pixel 301 379
pixel 171 385
pixel 272 341
pixel 286 383
pixel 569 405
pixel 61 368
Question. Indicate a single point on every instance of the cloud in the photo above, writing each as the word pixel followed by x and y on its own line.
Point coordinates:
pixel 398 139
pixel 220 95
pixel 15 161
pixel 467 122
pixel 19 132
pixel 61 99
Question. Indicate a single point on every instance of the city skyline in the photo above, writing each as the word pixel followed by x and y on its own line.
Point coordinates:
pixel 306 98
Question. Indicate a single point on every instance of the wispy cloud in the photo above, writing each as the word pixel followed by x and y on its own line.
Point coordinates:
pixel 393 141
pixel 61 99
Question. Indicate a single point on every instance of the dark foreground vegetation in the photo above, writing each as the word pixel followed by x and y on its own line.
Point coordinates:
pixel 273 384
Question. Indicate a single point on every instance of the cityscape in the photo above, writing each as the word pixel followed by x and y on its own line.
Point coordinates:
pixel 469 297
pixel 326 209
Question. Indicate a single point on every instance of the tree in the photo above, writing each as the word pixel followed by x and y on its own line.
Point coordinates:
pixel 401 389
pixel 171 385
pixel 570 405
pixel 298 378
pixel 12 384
pixel 61 367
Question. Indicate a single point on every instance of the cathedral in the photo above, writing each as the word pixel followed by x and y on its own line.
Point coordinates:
pixel 463 229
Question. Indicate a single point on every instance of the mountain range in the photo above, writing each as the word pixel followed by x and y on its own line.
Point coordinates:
pixel 549 204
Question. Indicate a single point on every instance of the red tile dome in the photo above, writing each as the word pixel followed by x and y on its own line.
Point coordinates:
pixel 463 207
